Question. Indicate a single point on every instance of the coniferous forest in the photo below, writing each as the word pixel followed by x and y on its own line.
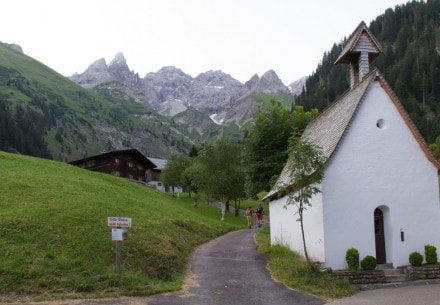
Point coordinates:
pixel 410 38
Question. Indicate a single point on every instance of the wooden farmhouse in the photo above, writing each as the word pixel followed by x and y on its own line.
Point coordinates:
pixel 127 163
pixel 380 192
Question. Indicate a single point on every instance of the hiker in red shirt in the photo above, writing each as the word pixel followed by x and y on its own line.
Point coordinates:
pixel 259 215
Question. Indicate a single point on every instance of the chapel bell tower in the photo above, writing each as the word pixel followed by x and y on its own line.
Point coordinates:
pixel 361 49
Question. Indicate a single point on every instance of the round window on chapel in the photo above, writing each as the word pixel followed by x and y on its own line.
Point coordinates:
pixel 380 123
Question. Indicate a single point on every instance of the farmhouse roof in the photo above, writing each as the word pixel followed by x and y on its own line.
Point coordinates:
pixel 329 128
pixel 160 163
pixel 131 151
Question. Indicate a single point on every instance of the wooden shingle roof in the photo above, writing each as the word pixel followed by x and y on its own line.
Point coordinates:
pixel 353 45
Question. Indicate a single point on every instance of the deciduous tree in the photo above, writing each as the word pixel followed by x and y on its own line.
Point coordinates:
pixel 172 173
pixel 266 144
pixel 222 171
pixel 192 178
pixel 306 167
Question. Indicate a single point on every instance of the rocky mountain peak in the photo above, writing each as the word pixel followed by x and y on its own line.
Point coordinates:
pixel 99 72
pixel 99 65
pixel 252 82
pixel 217 78
pixel 118 61
pixel 170 73
pixel 95 74
pixel 268 83
pixel 297 87
pixel 271 76
pixel 15 47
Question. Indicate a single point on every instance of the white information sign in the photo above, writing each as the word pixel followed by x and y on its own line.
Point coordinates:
pixel 119 222
pixel 117 234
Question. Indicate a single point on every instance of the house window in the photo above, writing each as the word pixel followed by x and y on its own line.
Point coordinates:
pixel 116 160
pixel 380 123
pixel 90 163
pixel 130 164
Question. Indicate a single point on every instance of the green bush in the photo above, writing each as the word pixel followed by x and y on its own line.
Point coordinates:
pixel 415 259
pixel 352 258
pixel 431 254
pixel 369 263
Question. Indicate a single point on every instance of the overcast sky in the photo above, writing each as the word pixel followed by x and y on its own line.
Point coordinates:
pixel 239 37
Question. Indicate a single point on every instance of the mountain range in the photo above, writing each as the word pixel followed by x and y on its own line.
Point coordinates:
pixel 170 91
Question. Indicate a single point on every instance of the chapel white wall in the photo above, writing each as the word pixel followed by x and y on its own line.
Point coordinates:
pixel 286 230
pixel 379 167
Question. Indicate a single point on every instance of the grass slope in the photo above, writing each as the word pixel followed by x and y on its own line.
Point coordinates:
pixel 291 269
pixel 56 243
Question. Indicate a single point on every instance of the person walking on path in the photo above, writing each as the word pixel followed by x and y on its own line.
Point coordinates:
pixel 249 213
pixel 259 215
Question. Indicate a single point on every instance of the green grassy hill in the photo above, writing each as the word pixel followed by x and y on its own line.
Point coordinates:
pixel 55 241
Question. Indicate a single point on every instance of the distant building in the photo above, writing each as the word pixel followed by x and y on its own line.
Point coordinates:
pixel 130 164
pixel 127 163
pixel 155 177
pixel 153 174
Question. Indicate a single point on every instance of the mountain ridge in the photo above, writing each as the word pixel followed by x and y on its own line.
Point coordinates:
pixel 170 91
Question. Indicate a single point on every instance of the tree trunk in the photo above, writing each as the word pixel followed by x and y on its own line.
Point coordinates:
pixel 195 200
pixel 300 211
pixel 237 207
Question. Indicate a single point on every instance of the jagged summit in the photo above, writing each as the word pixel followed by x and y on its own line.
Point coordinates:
pixel 169 72
pixel 119 60
pixel 99 65
pixel 99 72
pixel 268 83
pixel 298 86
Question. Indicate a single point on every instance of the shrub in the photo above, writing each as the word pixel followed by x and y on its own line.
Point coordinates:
pixel 352 258
pixel 369 263
pixel 415 259
pixel 431 254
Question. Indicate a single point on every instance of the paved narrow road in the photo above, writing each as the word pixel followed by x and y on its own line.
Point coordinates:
pixel 229 270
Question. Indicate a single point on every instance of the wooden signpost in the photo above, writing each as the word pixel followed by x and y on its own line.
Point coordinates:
pixel 119 234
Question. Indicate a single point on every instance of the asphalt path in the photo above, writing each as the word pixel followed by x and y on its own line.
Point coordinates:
pixel 229 270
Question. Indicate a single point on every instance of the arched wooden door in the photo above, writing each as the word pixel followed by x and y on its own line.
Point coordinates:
pixel 380 236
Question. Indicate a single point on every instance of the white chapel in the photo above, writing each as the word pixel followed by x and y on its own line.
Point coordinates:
pixel 380 192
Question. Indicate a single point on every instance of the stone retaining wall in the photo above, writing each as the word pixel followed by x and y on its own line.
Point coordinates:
pixel 361 276
pixel 423 272
pixel 358 277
